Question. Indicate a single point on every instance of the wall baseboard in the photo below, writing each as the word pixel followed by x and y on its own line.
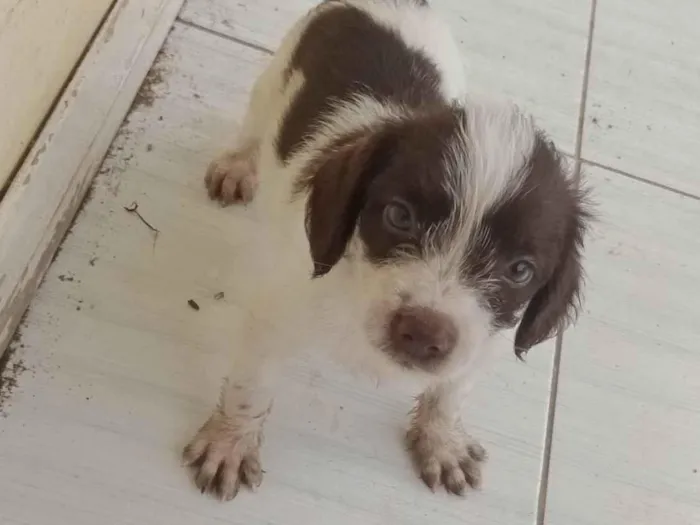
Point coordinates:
pixel 50 186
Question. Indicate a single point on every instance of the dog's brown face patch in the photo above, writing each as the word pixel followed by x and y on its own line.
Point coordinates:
pixel 390 183
pixel 391 186
pixel 525 250
pixel 408 205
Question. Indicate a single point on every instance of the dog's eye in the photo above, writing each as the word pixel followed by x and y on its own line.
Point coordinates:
pixel 520 272
pixel 399 217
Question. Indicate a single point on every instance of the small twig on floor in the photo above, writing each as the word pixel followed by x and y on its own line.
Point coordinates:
pixel 134 208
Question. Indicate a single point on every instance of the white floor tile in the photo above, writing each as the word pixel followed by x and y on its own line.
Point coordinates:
pixel 628 416
pixel 262 23
pixel 120 371
pixel 643 106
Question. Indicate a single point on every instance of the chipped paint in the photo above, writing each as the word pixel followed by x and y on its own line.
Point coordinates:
pixel 38 154
pixel 114 18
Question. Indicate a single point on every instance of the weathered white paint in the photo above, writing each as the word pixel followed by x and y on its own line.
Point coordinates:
pixel 48 189
pixel 40 43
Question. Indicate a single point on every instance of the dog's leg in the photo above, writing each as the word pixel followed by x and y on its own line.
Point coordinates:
pixel 442 452
pixel 232 176
pixel 224 453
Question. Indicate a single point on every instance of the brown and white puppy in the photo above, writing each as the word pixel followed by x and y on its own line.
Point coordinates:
pixel 408 224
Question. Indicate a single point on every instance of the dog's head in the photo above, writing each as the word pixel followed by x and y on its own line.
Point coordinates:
pixel 451 225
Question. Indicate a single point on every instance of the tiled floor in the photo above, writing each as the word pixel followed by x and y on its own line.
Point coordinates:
pixel 113 371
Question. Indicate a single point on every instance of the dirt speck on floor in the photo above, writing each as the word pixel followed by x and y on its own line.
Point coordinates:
pixel 89 195
pixel 56 253
pixel 193 304
pixel 11 368
pixel 148 92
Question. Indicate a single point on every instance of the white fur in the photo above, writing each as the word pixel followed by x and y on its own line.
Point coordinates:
pixel 501 140
pixel 345 313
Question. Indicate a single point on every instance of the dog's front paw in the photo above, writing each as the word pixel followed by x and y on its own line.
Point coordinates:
pixel 232 177
pixel 222 457
pixel 447 456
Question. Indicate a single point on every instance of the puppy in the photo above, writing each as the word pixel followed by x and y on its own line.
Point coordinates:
pixel 408 224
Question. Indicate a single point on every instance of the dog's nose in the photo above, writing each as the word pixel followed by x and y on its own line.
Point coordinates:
pixel 422 333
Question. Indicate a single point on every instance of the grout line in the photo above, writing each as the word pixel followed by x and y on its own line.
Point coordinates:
pixel 641 179
pixel 629 175
pixel 584 93
pixel 214 32
pixel 543 487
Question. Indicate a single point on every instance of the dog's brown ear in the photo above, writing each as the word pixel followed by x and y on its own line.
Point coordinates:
pixel 337 184
pixel 556 304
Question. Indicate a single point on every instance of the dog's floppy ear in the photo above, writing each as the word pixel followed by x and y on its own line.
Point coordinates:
pixel 556 304
pixel 337 185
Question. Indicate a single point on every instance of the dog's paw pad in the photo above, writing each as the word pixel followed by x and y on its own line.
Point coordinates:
pixel 221 460
pixel 453 460
pixel 232 178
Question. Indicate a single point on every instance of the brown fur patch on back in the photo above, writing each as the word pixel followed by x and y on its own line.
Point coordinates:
pixel 344 52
